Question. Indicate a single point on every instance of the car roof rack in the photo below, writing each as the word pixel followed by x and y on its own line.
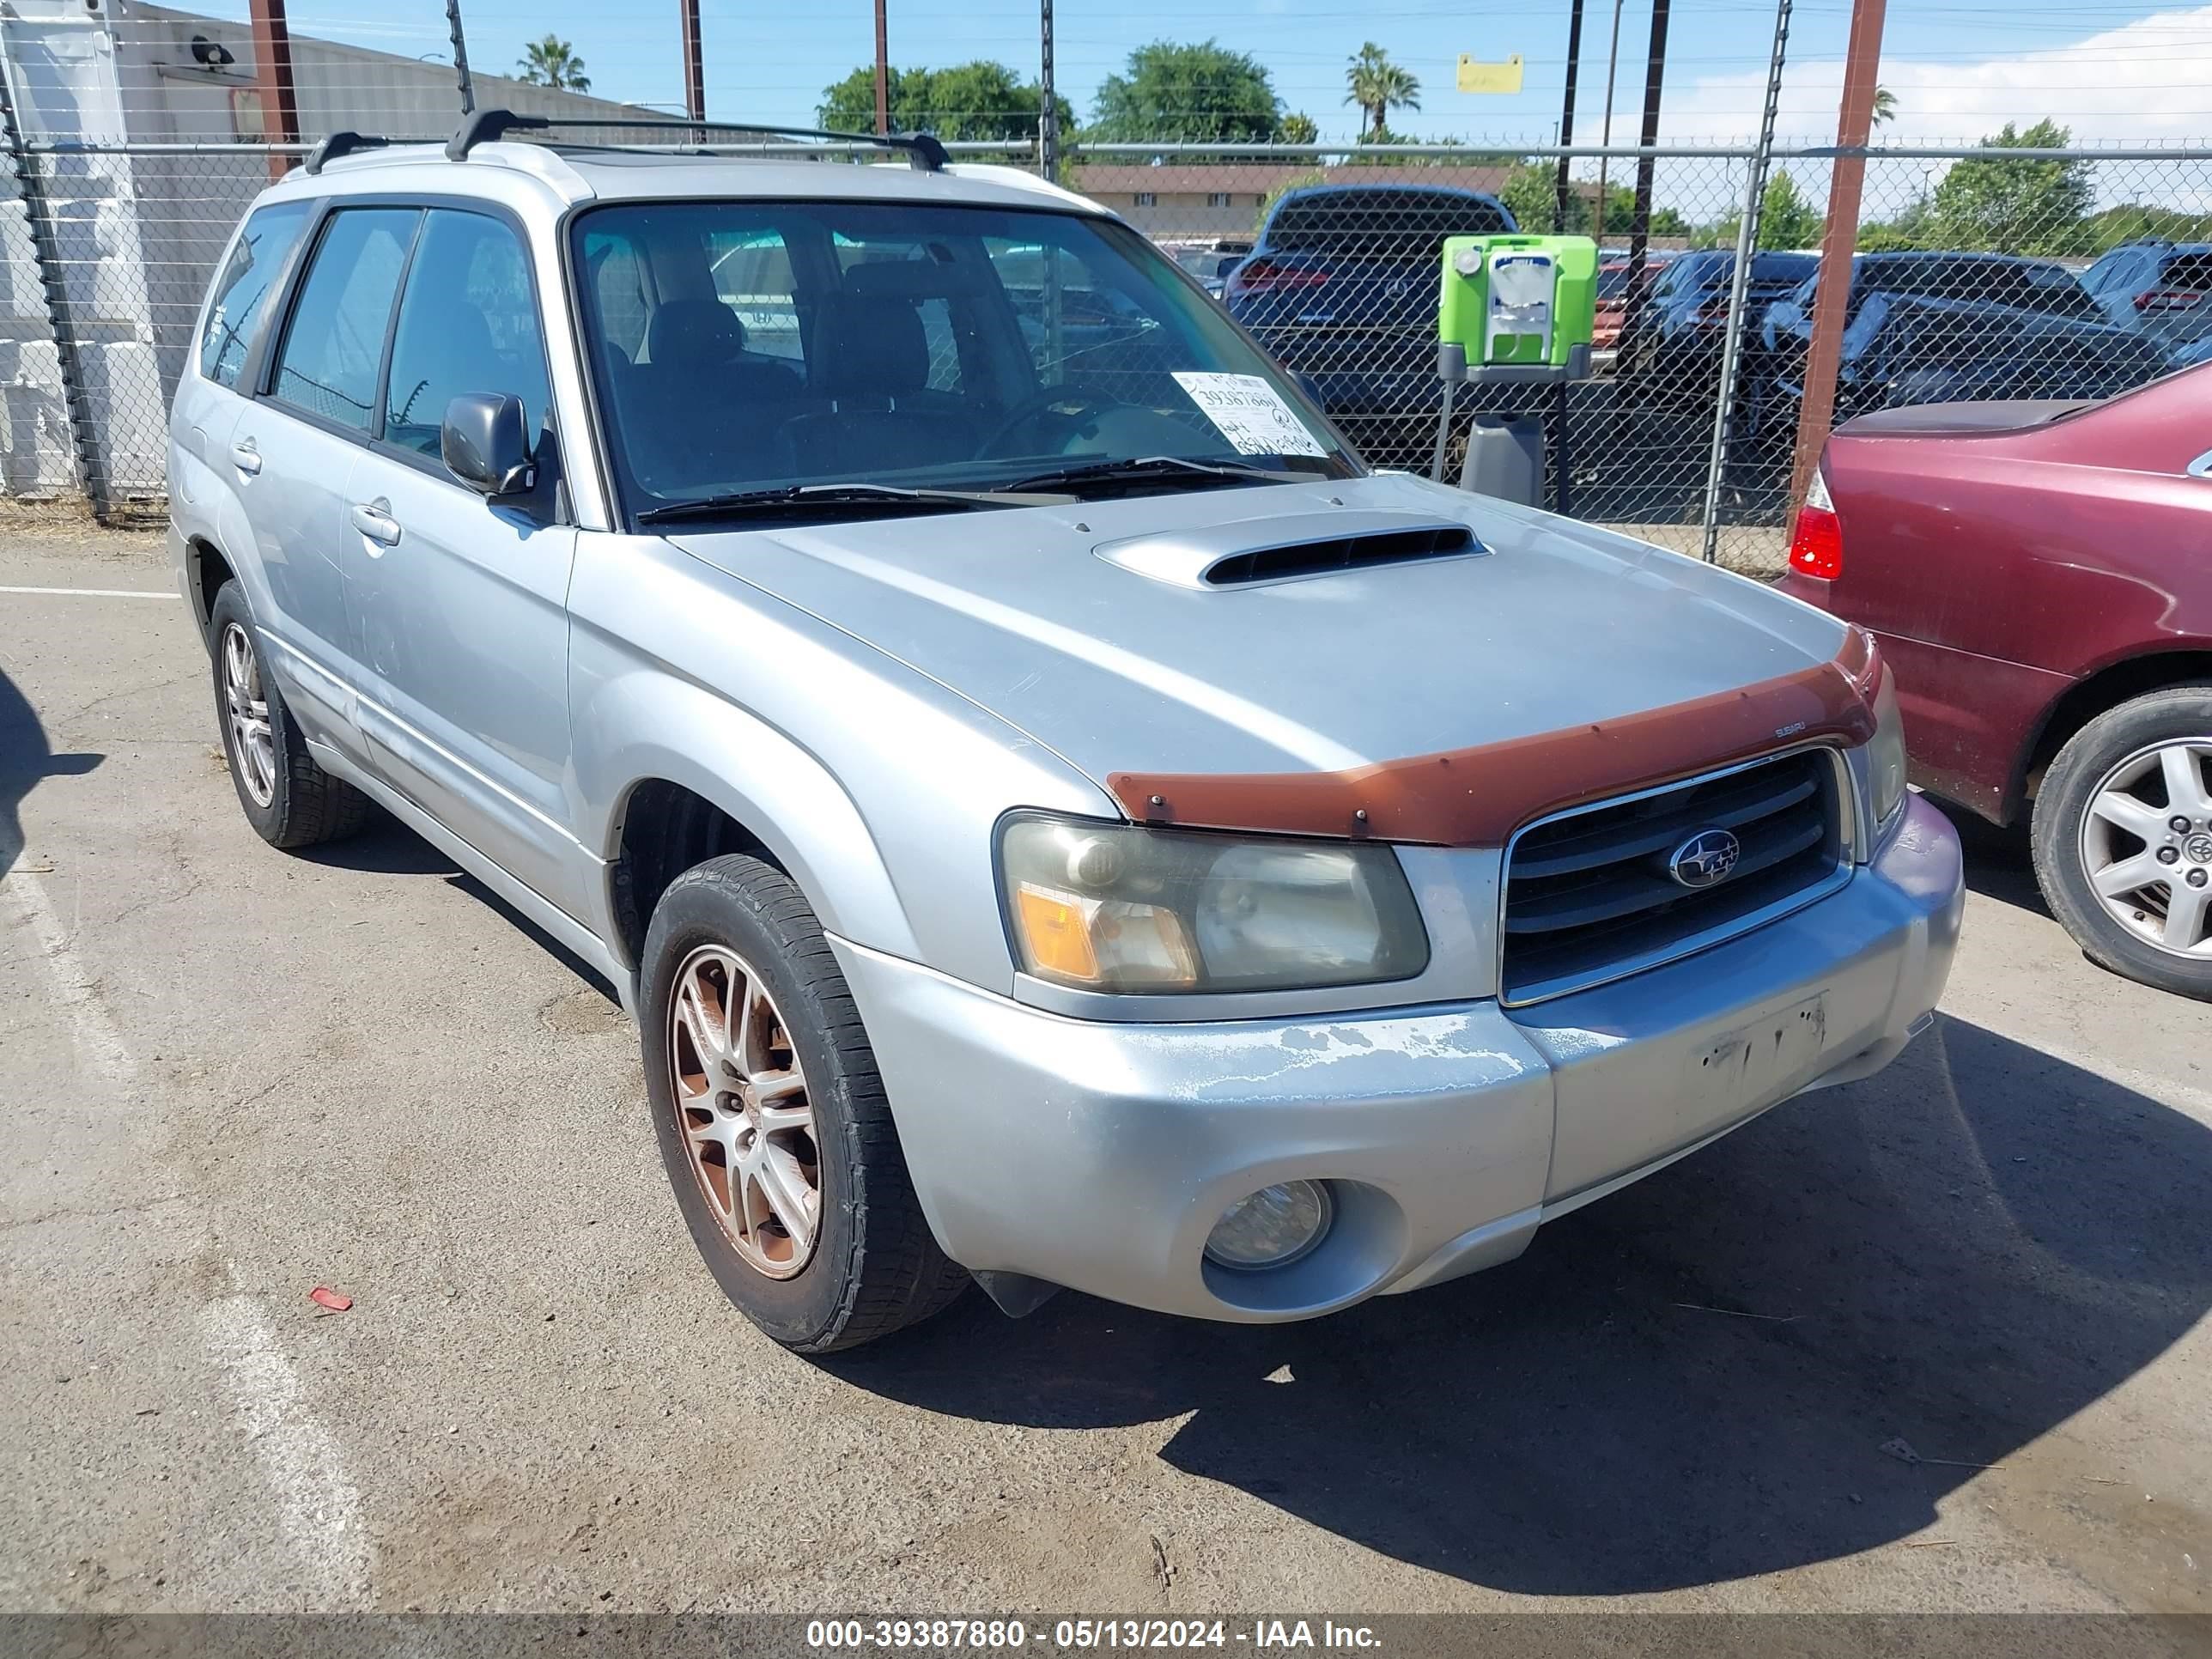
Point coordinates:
pixel 342 143
pixel 922 149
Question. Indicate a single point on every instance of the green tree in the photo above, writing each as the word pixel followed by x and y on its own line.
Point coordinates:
pixel 1202 93
pixel 2016 206
pixel 1786 219
pixel 1298 129
pixel 1884 107
pixel 552 62
pixel 1532 192
pixel 1379 86
pixel 976 100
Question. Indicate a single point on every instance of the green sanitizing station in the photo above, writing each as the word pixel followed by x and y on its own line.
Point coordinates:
pixel 1513 312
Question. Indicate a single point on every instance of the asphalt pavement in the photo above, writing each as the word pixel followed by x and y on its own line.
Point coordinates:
pixel 1935 1341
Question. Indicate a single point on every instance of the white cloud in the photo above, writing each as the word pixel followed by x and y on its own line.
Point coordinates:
pixel 2146 82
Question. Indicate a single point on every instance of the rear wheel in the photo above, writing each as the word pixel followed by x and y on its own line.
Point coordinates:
pixel 2123 835
pixel 289 800
pixel 772 1120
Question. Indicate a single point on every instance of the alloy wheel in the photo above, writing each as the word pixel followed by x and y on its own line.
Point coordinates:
pixel 251 742
pixel 2147 845
pixel 743 1107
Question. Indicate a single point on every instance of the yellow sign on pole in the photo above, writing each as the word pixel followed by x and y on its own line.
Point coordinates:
pixel 1490 77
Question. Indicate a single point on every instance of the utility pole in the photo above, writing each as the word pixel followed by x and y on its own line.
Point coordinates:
pixel 1605 136
pixel 1567 113
pixel 695 70
pixel 1639 233
pixel 1831 294
pixel 883 72
pixel 272 73
pixel 460 57
pixel 1049 105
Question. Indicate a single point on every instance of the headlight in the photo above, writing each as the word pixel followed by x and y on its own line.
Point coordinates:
pixel 1109 907
pixel 1886 754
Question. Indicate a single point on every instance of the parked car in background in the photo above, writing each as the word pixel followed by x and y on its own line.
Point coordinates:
pixel 939 751
pixel 1675 353
pixel 1209 260
pixel 1341 287
pixel 1922 328
pixel 1613 301
pixel 2165 289
pixel 2040 573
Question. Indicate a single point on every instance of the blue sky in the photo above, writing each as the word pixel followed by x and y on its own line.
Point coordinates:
pixel 1959 67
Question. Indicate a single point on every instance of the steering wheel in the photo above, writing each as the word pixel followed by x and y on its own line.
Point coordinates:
pixel 1076 406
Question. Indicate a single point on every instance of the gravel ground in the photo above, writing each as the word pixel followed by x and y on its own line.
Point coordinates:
pixel 231 1075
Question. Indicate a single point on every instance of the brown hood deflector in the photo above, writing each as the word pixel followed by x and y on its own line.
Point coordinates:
pixel 1477 797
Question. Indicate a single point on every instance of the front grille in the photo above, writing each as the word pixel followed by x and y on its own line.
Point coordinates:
pixel 1590 896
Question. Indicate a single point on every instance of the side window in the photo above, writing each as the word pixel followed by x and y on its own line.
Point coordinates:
pixel 752 276
pixel 618 279
pixel 468 322
pixel 243 289
pixel 944 344
pixel 335 340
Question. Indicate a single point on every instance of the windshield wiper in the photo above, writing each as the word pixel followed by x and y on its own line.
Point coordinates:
pixel 890 498
pixel 1143 469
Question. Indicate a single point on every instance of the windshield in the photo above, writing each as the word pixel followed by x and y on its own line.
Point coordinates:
pixel 740 347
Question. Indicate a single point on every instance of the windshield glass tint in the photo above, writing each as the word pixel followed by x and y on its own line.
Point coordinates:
pixel 754 345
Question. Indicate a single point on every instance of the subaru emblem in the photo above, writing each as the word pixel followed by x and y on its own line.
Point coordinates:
pixel 1705 860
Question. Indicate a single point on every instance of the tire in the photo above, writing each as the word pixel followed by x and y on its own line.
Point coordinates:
pixel 2121 765
pixel 871 1266
pixel 290 801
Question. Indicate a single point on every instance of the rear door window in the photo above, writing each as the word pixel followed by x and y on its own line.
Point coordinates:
pixel 242 291
pixel 335 344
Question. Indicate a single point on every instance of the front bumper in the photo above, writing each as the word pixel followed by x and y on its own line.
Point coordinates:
pixel 1099 1156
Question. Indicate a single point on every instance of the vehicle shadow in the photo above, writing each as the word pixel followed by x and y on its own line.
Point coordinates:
pixel 26 759
pixel 1695 1380
pixel 387 847
pixel 1998 863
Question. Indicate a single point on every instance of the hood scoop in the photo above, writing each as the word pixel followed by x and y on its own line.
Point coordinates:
pixel 1256 552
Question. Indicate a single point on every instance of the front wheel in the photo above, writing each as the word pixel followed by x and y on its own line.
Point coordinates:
pixel 2123 837
pixel 772 1119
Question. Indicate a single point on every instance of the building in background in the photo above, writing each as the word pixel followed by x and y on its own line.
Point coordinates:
pixel 128 238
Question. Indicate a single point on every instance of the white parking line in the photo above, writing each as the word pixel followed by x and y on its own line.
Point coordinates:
pixel 316 1497
pixel 100 592
pixel 99 1043
pixel 317 1502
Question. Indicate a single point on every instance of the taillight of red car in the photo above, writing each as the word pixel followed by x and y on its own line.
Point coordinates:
pixel 1265 276
pixel 1816 547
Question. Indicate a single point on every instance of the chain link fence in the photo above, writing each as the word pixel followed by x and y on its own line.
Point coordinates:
pixel 1982 273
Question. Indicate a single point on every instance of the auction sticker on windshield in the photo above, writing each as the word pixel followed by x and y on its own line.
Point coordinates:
pixel 1251 414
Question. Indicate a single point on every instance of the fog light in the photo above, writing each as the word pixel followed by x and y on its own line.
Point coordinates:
pixel 1271 1228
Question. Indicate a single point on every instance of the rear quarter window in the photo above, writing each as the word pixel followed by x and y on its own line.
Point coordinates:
pixel 240 300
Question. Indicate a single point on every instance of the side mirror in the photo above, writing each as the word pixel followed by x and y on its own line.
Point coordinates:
pixel 1310 386
pixel 484 445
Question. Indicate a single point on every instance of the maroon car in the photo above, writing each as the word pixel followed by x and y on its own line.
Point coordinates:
pixel 2040 576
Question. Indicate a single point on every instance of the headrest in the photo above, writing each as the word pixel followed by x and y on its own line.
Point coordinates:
pixel 693 330
pixel 867 344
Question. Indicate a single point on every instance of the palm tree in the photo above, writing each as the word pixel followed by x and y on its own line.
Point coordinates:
pixel 1885 105
pixel 1378 86
pixel 553 62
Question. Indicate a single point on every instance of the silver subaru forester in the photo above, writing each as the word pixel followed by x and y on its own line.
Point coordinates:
pixel 1057 818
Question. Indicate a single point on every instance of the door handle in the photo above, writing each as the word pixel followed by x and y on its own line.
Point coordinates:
pixel 246 457
pixel 374 520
